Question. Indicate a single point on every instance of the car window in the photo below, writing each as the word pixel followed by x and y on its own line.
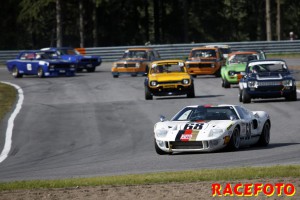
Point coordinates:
pixel 244 114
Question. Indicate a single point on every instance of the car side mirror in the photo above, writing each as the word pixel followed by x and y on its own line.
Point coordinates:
pixel 162 118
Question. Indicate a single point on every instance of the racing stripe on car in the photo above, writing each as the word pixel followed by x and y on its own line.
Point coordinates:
pixel 187 135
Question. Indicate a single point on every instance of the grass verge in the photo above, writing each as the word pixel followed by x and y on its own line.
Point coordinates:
pixel 7 98
pixel 227 174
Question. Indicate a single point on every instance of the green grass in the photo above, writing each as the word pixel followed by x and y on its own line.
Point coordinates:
pixel 7 98
pixel 224 174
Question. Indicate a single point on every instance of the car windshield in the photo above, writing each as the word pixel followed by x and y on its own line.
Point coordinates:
pixel 46 55
pixel 168 67
pixel 204 53
pixel 201 113
pixel 242 58
pixel 268 67
pixel 135 54
pixel 68 52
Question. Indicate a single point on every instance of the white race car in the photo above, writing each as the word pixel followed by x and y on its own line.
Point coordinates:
pixel 206 128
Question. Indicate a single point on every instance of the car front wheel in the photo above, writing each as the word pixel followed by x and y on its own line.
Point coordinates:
pixel 246 97
pixel 16 73
pixel 148 95
pixel 235 140
pixel 158 150
pixel 40 72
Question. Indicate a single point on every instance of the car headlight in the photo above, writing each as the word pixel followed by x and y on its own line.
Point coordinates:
pixel 252 84
pixel 185 81
pixel 161 133
pixel 153 83
pixel 215 132
pixel 231 73
pixel 287 83
pixel 137 65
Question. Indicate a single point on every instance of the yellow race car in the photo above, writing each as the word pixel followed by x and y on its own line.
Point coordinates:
pixel 168 77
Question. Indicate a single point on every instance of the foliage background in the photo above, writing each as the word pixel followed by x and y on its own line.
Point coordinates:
pixel 31 24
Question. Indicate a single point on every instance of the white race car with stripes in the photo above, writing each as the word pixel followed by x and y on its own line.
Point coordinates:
pixel 206 128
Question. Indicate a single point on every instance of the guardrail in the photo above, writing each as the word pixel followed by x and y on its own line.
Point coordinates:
pixel 169 51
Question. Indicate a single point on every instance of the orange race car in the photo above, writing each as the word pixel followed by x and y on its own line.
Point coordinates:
pixel 205 61
pixel 135 61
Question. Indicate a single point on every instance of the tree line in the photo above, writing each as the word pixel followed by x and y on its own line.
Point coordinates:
pixel 33 24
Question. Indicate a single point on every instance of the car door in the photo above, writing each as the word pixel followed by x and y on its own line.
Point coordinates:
pixel 246 124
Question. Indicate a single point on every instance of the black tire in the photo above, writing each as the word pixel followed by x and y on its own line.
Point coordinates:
pixel 264 138
pixel 292 96
pixel 191 93
pixel 218 73
pixel 234 143
pixel 40 72
pixel 148 95
pixel 133 75
pixel 226 83
pixel 194 76
pixel 79 69
pixel 92 69
pixel 16 73
pixel 115 76
pixel 158 150
pixel 240 95
pixel 245 97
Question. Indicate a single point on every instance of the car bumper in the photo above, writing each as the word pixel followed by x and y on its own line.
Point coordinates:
pixel 194 146
pixel 176 90
pixel 270 93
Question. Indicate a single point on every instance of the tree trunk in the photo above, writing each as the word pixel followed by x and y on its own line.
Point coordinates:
pixel 278 27
pixel 81 25
pixel 58 24
pixel 95 25
pixel 268 21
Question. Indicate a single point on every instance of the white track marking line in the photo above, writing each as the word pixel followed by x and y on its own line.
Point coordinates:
pixel 10 123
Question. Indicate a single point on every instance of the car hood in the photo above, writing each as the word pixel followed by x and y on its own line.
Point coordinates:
pixel 239 67
pixel 271 75
pixel 169 76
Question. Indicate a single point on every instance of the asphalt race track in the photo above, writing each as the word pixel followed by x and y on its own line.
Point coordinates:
pixel 95 125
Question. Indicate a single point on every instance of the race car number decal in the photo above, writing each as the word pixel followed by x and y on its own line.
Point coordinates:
pixel 29 67
pixel 196 126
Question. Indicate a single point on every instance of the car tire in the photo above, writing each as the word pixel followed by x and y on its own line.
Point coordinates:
pixel 133 75
pixel 292 96
pixel 194 76
pixel 226 83
pixel 148 95
pixel 92 69
pixel 264 138
pixel 218 73
pixel 115 76
pixel 245 97
pixel 234 143
pixel 240 95
pixel 40 72
pixel 191 92
pixel 158 150
pixel 16 73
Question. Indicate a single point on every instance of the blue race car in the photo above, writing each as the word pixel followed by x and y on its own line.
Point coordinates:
pixel 89 63
pixel 40 63
pixel 267 79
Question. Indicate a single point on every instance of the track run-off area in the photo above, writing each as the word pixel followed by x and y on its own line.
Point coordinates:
pixel 96 125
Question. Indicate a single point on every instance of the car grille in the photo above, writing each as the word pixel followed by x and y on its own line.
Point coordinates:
pixel 170 82
pixel 187 145
pixel 126 65
pixel 200 65
pixel 269 83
